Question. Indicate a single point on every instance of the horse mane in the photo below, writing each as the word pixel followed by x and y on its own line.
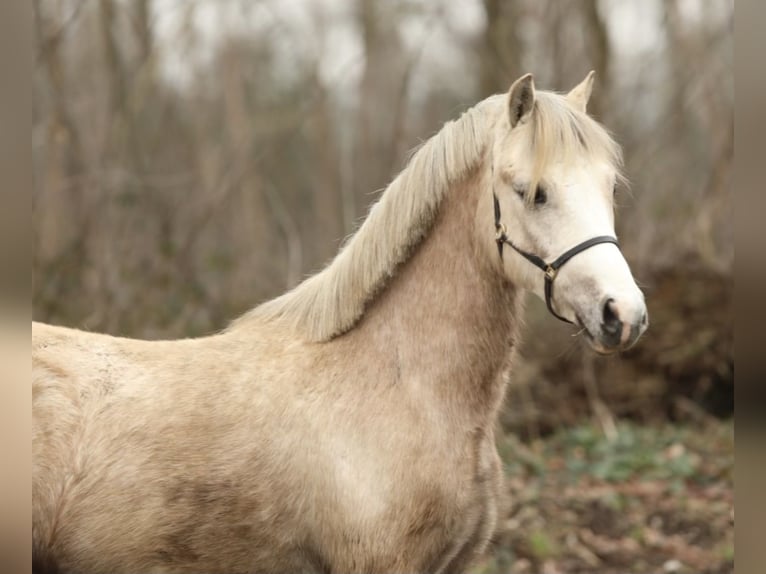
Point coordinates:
pixel 332 301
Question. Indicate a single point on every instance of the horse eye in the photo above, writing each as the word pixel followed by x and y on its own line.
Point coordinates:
pixel 540 196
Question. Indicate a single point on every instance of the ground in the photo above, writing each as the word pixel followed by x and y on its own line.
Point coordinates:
pixel 644 499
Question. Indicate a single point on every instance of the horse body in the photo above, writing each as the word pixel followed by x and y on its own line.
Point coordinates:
pixel 348 436
pixel 216 450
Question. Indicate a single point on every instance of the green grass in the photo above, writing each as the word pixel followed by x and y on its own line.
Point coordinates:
pixel 582 501
pixel 668 453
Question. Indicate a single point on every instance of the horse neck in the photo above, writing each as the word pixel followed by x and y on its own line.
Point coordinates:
pixel 448 317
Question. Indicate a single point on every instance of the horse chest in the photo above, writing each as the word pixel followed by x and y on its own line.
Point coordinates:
pixel 433 517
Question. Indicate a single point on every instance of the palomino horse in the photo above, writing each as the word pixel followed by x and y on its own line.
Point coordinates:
pixel 346 426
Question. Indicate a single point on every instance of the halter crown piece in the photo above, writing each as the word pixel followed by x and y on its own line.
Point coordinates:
pixel 549 269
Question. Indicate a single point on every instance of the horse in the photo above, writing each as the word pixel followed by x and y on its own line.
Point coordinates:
pixel 347 425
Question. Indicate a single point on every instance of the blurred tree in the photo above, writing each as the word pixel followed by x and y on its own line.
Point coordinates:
pixel 599 52
pixel 384 69
pixel 501 56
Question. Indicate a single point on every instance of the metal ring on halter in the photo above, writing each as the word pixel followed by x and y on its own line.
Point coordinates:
pixel 550 273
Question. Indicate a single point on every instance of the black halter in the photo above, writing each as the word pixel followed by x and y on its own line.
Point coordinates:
pixel 550 269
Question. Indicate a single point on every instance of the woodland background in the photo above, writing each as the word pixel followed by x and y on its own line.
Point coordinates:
pixel 196 157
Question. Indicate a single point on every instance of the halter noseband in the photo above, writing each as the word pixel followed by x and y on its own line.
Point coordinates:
pixel 549 269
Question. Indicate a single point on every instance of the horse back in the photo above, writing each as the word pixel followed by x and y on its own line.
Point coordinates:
pixel 61 376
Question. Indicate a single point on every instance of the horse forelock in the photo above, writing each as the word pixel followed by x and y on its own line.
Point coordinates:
pixel 560 133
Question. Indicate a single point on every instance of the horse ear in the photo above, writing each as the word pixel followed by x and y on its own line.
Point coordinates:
pixel 521 99
pixel 580 94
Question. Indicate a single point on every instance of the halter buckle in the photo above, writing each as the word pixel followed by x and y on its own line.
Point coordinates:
pixel 551 273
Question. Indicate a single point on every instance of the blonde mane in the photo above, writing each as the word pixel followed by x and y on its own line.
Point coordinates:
pixel 331 302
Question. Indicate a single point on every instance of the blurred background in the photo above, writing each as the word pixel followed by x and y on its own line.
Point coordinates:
pixel 196 157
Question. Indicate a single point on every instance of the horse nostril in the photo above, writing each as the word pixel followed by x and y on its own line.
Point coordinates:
pixel 644 320
pixel 612 323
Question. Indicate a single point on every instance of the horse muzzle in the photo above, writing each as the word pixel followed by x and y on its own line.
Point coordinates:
pixel 621 325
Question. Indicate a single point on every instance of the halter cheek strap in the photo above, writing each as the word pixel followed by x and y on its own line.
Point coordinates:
pixel 549 269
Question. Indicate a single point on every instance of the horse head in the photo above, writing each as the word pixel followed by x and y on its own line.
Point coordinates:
pixel 554 175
